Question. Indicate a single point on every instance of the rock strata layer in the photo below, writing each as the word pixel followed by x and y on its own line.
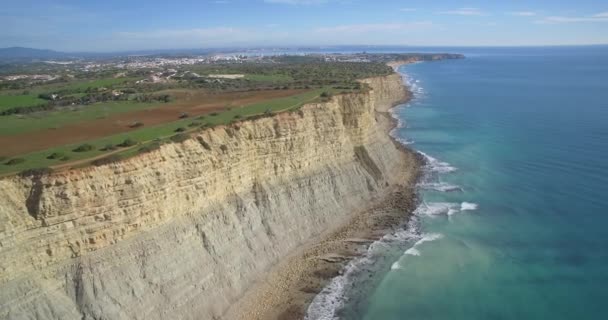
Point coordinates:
pixel 184 231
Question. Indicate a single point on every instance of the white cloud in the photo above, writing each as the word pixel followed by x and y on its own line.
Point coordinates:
pixel 599 17
pixel 464 12
pixel 374 27
pixel 522 13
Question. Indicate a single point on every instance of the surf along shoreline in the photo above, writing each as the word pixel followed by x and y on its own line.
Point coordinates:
pixel 289 287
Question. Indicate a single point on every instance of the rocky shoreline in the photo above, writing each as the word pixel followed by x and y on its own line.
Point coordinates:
pixel 289 288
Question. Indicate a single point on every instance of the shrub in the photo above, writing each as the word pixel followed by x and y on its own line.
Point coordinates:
pixel 128 143
pixel 84 148
pixel 326 94
pixel 65 158
pixel 183 115
pixel 180 129
pixel 108 147
pixel 55 155
pixel 194 124
pixel 35 172
pixel 15 161
pixel 149 147
pixel 136 124
pixel 224 148
pixel 180 137
pixel 106 160
pixel 213 114
pixel 201 118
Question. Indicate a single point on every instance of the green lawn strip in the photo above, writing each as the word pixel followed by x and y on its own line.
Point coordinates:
pixel 18 124
pixel 28 100
pixel 84 84
pixel 274 78
pixel 147 135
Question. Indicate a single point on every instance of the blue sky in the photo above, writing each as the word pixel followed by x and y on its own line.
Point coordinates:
pixel 111 25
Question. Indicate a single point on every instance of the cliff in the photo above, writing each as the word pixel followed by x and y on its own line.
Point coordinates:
pixel 184 231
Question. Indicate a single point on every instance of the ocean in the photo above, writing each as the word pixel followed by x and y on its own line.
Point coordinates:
pixel 513 215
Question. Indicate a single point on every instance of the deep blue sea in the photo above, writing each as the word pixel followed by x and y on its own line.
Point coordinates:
pixel 513 220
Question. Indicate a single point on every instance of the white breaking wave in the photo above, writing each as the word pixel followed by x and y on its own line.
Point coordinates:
pixel 412 252
pixel 444 208
pixel 326 304
pixel 435 165
pixel 468 206
pixel 439 186
pixel 428 237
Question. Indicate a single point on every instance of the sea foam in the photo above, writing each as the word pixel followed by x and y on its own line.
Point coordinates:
pixel 331 299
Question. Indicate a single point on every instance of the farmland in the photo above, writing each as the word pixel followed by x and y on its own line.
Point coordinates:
pixel 79 113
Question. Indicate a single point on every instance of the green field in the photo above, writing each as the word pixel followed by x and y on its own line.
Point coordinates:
pixel 10 101
pixel 18 124
pixel 148 134
pixel 99 83
pixel 273 78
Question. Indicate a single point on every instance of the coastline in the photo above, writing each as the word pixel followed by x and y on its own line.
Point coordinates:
pixel 289 287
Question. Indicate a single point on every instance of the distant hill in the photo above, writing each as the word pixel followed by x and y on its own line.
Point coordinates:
pixel 21 53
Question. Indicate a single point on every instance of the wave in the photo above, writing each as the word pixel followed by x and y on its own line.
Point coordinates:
pixel 440 186
pixel 332 298
pixel 434 165
pixel 468 206
pixel 444 208
pixel 412 252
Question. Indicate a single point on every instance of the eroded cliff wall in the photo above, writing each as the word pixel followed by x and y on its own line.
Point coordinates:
pixel 182 232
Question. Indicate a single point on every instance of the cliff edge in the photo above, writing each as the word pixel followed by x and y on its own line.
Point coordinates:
pixel 184 231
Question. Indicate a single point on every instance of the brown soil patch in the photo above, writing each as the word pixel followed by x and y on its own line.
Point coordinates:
pixel 193 103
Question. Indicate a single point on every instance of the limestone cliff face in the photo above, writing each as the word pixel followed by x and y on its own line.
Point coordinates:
pixel 183 231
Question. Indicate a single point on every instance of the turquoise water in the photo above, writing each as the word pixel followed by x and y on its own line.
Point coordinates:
pixel 514 216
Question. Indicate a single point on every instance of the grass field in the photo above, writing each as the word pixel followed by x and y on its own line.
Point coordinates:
pixel 10 101
pixel 147 134
pixel 17 124
pixel 273 78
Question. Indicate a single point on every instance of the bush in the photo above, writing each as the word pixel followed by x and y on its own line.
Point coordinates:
pixel 65 158
pixel 150 147
pixel 35 172
pixel 136 124
pixel 106 160
pixel 14 161
pixel 213 114
pixel 194 124
pixel 183 115
pixel 108 147
pixel 84 148
pixel 224 148
pixel 128 143
pixel 180 137
pixel 237 116
pixel 326 94
pixel 55 155
pixel 180 129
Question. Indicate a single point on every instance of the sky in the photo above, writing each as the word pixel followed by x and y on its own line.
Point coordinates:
pixel 119 25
